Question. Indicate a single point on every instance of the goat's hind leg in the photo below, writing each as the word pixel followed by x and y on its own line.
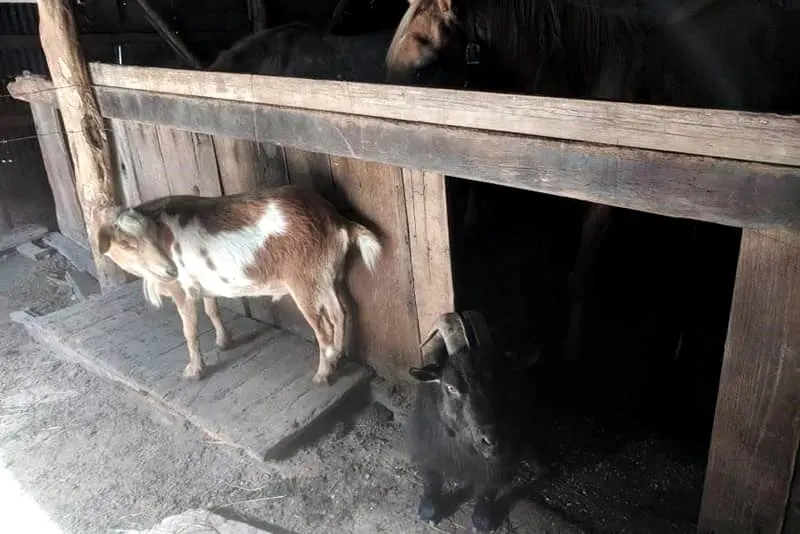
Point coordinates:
pixel 430 506
pixel 212 310
pixel 318 321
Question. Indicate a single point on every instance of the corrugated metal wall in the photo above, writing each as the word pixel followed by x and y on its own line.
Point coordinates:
pixel 19 19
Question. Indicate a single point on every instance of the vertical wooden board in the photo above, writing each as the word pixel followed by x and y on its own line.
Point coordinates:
pixel 60 172
pixel 309 169
pixel 148 164
pixel 123 158
pixel 190 164
pixel 208 181
pixel 792 522
pixel 273 163
pixel 428 232
pixel 756 430
pixel 383 308
pixel 239 164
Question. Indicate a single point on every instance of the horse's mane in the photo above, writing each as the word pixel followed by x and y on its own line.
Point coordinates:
pixel 519 30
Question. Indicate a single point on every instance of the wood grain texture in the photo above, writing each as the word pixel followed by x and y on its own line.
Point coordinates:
pixel 259 396
pixel 727 134
pixel 429 237
pixel 721 191
pixel 83 124
pixel 238 164
pixel 189 161
pixel 149 172
pixel 309 169
pixel 126 168
pixel 756 432
pixel 792 522
pixel 60 172
pixel 383 309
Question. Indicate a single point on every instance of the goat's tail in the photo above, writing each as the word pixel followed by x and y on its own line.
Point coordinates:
pixel 367 243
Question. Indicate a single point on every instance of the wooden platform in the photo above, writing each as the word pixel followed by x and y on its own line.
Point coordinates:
pixel 258 395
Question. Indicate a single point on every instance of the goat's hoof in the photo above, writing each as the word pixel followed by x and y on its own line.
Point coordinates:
pixel 193 372
pixel 428 510
pixel 321 379
pixel 224 343
pixel 482 518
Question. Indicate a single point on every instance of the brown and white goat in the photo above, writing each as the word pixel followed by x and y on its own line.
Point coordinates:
pixel 283 240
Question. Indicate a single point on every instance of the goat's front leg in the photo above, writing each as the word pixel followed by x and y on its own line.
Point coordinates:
pixel 212 310
pixel 431 495
pixel 187 308
pixel 483 515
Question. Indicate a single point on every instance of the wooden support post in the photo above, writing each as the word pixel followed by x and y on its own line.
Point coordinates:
pixel 83 124
pixel 429 243
pixel 756 430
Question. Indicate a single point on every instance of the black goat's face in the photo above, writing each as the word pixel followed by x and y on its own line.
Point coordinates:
pixel 468 394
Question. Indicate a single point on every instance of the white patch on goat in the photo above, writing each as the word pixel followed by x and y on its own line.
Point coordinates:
pixel 132 222
pixel 230 252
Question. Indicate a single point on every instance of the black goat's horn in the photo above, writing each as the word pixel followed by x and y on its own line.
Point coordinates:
pixel 449 332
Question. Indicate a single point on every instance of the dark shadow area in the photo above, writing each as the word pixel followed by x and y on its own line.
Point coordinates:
pixel 615 439
pixel 339 420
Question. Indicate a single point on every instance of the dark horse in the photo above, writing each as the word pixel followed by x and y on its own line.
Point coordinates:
pixel 300 50
pixel 735 54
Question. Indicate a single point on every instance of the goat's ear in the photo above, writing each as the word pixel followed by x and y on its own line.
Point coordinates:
pixel 104 235
pixel 428 373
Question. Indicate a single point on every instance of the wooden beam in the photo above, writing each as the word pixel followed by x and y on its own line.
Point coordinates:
pixel 83 124
pixel 34 89
pixel 95 40
pixel 756 431
pixel 759 137
pixel 721 191
pixel 169 36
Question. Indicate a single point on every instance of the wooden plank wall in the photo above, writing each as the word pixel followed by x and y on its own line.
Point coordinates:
pixel 756 433
pixel 413 282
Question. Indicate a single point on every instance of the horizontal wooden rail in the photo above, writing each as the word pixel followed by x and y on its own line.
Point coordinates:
pixel 765 138
pixel 716 190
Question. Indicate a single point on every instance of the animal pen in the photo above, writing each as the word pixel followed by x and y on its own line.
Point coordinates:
pixel 390 153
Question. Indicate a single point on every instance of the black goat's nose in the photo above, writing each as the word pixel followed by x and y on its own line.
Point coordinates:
pixel 488 440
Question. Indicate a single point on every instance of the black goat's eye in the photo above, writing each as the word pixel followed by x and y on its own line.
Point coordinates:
pixel 451 389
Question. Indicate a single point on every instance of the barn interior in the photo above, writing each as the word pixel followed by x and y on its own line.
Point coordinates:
pixel 617 436
pixel 624 424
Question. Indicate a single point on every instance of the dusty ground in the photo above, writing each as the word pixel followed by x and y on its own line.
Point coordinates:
pixel 99 458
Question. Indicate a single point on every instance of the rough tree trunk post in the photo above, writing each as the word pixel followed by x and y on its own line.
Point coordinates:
pixel 84 126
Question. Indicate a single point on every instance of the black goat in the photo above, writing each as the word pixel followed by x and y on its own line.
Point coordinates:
pixel 454 430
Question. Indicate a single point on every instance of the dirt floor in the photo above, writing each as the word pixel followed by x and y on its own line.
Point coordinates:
pixel 97 457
